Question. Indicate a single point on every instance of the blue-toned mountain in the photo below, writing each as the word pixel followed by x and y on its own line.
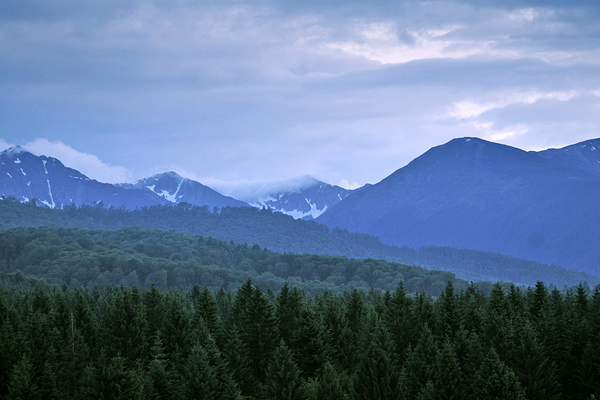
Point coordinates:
pixel 302 198
pixel 26 177
pixel 176 189
pixel 475 194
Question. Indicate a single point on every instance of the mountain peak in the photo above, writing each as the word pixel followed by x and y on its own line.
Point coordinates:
pixel 14 151
pixel 169 174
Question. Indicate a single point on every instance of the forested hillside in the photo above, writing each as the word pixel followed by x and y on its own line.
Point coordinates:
pixel 282 233
pixel 127 343
pixel 138 257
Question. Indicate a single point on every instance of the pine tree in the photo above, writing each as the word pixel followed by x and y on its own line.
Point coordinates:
pixel 207 374
pixel 166 382
pixel 396 317
pixel 155 311
pixel 338 334
pixel 449 378
pixel 22 383
pixel 495 381
pixel 421 364
pixel 330 385
pixel 206 308
pixel 536 373
pixel 289 307
pixel 309 348
pixel 448 316
pixel 376 376
pixel 109 378
pixel 12 340
pixel 258 332
pixel 124 327
pixel 283 380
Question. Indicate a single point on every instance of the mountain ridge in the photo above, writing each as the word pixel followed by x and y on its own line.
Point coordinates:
pixel 471 193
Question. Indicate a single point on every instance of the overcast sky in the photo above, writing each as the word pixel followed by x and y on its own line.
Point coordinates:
pixel 230 92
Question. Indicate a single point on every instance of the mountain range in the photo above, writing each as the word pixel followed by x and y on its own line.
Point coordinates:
pixel 48 182
pixel 26 176
pixel 468 193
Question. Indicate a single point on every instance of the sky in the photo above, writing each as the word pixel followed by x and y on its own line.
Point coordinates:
pixel 237 93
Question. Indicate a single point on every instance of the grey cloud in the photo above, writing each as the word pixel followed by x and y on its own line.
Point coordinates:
pixel 257 89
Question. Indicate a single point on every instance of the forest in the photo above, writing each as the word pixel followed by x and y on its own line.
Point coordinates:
pixel 129 343
pixel 281 233
pixel 142 257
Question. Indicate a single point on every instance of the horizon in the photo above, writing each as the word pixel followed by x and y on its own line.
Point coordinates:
pixel 247 191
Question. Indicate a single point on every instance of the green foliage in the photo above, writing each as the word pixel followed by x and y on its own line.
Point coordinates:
pixel 128 343
pixel 142 258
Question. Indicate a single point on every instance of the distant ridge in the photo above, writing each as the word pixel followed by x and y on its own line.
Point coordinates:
pixel 301 198
pixel 475 194
pixel 47 181
pixel 176 189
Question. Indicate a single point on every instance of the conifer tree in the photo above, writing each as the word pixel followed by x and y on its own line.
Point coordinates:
pixel 495 381
pixel 536 373
pixel 206 308
pixel 289 307
pixel 109 378
pixel 124 326
pixel 330 385
pixel 166 382
pixel 396 317
pixel 178 334
pixel 155 311
pixel 309 348
pixel 22 383
pixel 12 342
pixel 258 332
pixel 337 334
pixel 283 380
pixel 448 314
pixel 449 378
pixel 421 364
pixel 376 376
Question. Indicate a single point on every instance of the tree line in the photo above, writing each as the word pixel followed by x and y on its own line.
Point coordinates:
pixel 125 343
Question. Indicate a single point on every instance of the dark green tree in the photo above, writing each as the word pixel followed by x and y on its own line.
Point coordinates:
pixel 283 380
pixel 495 381
pixel 22 383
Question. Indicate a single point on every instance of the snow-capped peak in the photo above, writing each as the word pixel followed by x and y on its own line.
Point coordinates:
pixel 13 152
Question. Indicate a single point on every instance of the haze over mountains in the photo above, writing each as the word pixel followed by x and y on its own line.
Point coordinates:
pixel 468 193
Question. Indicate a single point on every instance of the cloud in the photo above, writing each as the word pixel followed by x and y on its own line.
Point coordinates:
pixel 256 190
pixel 471 109
pixel 265 89
pixel 86 163
pixel 4 145
pixel 347 185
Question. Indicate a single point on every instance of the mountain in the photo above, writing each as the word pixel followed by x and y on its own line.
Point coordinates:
pixel 26 176
pixel 176 189
pixel 474 194
pixel 584 156
pixel 302 198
